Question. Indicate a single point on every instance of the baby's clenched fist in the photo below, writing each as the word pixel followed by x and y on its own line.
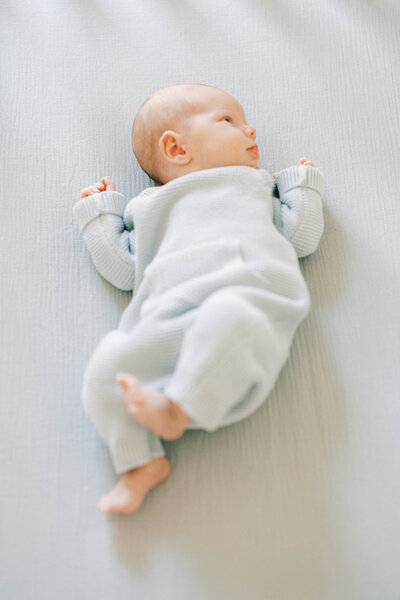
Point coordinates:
pixel 303 161
pixel 105 185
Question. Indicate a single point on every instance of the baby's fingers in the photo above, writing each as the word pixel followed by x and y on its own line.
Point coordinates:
pixel 93 189
pixel 305 161
pixel 108 184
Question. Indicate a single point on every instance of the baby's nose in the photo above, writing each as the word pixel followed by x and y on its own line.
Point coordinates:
pixel 251 132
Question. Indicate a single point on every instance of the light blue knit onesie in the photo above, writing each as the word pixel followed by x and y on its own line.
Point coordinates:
pixel 212 259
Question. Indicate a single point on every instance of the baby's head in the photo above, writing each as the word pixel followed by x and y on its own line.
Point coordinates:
pixel 190 127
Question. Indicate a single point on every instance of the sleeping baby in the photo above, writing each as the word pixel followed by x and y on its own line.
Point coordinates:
pixel 211 254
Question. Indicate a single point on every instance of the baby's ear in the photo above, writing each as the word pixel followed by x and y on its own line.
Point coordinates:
pixel 172 147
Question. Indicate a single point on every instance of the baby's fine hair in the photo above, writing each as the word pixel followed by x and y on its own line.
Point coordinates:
pixel 166 109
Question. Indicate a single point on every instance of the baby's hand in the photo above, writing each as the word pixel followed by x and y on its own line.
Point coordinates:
pixel 105 185
pixel 303 161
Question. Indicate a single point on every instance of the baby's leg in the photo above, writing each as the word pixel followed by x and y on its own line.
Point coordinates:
pixel 136 452
pixel 233 351
pixel 149 352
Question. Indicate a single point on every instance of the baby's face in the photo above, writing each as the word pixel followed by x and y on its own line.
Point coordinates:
pixel 217 134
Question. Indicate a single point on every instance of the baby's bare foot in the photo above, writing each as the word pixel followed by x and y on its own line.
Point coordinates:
pixel 127 496
pixel 152 408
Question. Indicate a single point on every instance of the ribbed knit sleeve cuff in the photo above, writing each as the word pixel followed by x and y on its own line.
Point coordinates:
pixel 301 175
pixel 98 204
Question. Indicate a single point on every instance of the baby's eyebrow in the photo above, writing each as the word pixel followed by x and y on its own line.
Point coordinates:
pixel 226 111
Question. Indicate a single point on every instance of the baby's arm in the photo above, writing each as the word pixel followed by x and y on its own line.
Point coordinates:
pixel 99 215
pixel 297 206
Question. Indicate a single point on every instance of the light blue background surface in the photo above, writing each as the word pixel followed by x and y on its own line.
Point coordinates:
pixel 299 501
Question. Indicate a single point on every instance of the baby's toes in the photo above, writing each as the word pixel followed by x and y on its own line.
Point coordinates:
pixel 126 379
pixel 130 386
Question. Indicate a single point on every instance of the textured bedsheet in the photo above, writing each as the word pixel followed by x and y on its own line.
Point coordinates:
pixel 299 501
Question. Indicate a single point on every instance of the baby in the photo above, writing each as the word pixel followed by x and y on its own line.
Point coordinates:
pixel 211 254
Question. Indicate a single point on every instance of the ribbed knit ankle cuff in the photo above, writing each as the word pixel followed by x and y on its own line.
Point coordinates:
pixel 125 455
